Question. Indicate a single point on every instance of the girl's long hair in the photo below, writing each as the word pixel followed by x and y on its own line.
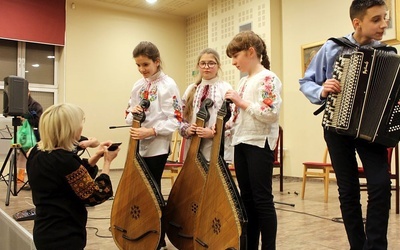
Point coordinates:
pixel 188 109
pixel 246 39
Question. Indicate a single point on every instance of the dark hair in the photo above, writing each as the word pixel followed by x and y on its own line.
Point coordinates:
pixel 147 49
pixel 358 8
pixel 188 110
pixel 246 39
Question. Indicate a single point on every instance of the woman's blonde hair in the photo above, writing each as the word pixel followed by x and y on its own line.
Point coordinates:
pixel 60 126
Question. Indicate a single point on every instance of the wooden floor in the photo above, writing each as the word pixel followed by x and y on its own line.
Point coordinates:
pixel 306 225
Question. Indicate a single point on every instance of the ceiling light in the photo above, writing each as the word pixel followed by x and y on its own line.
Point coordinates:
pixel 35 65
pixel 151 1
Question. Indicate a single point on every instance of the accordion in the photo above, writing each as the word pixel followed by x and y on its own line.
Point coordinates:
pixel 367 106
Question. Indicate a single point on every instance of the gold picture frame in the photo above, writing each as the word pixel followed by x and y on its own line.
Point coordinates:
pixel 308 51
pixel 392 33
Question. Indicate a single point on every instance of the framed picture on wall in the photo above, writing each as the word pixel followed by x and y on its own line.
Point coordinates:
pixel 244 27
pixel 392 33
pixel 308 51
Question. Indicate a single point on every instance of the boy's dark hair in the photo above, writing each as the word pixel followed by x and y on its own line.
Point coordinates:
pixel 358 8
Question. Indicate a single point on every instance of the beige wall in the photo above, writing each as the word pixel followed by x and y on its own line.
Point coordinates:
pixel 305 22
pixel 196 41
pixel 98 69
pixel 224 20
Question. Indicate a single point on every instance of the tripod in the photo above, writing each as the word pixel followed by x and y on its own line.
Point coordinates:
pixel 12 173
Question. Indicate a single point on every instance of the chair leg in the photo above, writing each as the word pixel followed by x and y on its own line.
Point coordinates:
pixel 303 186
pixel 326 185
pixel 397 198
pixel 169 175
pixel 281 178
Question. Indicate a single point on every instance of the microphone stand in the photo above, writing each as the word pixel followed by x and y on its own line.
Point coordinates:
pixel 124 126
pixel 284 203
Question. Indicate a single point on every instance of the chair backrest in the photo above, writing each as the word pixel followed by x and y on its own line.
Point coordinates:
pixel 176 140
pixel 390 156
pixel 182 150
pixel 278 151
pixel 177 156
pixel 389 159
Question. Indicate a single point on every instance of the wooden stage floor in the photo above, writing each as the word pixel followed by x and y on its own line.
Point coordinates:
pixel 307 225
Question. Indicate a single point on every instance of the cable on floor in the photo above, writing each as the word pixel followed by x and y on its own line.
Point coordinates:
pixel 304 213
pixel 99 218
pixel 97 231
pixel 335 219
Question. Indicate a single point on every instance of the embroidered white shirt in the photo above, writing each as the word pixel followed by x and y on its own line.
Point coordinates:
pixel 216 92
pixel 164 113
pixel 261 119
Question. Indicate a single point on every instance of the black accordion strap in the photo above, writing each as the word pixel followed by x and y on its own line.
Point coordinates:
pixel 343 41
pixel 320 109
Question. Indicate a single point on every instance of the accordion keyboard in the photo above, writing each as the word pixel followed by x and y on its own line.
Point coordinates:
pixel 339 106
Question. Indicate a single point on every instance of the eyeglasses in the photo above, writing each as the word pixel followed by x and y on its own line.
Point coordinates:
pixel 208 64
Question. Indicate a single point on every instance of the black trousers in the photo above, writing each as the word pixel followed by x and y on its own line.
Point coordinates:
pixel 254 166
pixel 342 150
pixel 156 166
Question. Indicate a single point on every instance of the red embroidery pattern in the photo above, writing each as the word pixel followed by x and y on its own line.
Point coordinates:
pixel 177 109
pixel 267 93
pixel 236 111
pixel 82 184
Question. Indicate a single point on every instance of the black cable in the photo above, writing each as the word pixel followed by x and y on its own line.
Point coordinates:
pixel 334 219
pixel 304 213
pixel 99 218
pixel 96 233
pixel 102 218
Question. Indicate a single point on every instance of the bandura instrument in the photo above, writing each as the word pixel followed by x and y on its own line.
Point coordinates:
pixel 136 210
pixel 221 219
pixel 185 196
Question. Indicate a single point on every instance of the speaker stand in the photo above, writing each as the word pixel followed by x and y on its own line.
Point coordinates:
pixel 12 172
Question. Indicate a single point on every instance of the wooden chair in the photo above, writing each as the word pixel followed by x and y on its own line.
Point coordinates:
pixel 317 170
pixel 175 161
pixel 278 158
pixel 394 174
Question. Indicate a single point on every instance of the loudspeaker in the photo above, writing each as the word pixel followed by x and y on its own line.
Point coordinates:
pixel 15 99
